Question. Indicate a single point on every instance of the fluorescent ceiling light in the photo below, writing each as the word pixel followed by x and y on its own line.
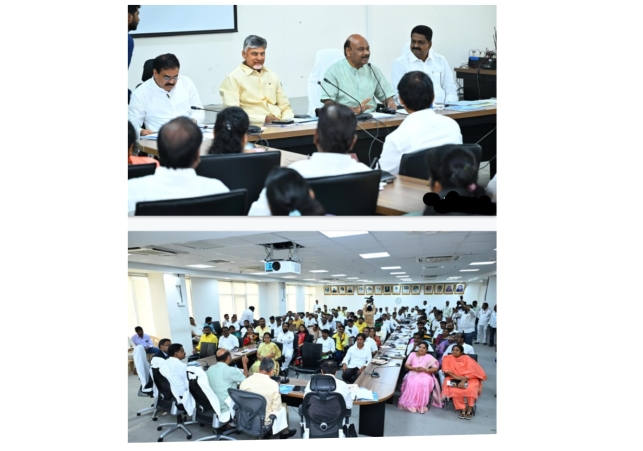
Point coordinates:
pixel 352 278
pixel 311 279
pixel 452 278
pixel 482 263
pixel 289 277
pixel 391 267
pixel 469 270
pixel 339 234
pixel 199 266
pixel 375 255
pixel 258 273
pixel 338 275
pixel 318 270
pixel 393 273
pixel 403 277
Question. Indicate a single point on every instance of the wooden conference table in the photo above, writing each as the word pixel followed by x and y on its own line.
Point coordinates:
pixel 402 196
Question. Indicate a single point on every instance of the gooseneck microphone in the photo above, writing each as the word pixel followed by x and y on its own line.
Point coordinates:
pixel 202 109
pixel 386 109
pixel 361 116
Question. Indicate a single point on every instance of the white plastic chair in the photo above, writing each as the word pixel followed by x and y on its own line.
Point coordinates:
pixel 324 58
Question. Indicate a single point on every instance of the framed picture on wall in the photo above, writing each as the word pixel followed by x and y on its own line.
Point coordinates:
pixel 415 289
pixel 342 290
pixel 377 289
pixel 360 289
pixel 386 289
pixel 406 289
pixel 327 290
pixel 459 288
pixel 438 288
pixel 333 290
pixel 448 288
pixel 369 290
pixel 395 289
pixel 349 290
pixel 428 289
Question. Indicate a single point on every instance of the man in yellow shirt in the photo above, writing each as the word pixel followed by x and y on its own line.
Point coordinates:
pixel 254 87
pixel 341 343
pixel 262 328
pixel 360 324
pixel 297 321
pixel 207 337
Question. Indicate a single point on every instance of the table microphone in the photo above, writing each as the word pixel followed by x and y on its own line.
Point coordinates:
pixel 386 109
pixel 361 116
pixel 202 109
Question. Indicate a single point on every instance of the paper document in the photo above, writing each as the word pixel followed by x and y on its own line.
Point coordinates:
pixel 377 115
pixel 365 394
pixel 153 136
pixel 472 105
pixel 304 120
pixel 285 389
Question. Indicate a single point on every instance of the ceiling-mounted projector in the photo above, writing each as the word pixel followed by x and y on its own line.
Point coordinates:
pixel 282 267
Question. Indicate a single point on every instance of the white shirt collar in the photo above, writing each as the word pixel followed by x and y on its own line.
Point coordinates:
pixel 412 58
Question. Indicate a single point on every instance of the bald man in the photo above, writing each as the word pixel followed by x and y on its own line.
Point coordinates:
pixel 355 75
pixel 222 376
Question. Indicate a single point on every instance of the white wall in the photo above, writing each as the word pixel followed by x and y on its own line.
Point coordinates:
pixel 295 33
pixel 205 299
pixel 269 300
pixel 491 291
pixel 178 316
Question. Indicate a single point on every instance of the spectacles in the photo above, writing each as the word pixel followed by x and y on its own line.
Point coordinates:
pixel 166 78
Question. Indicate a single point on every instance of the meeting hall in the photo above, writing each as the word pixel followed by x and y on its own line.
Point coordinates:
pixel 229 114
pixel 312 334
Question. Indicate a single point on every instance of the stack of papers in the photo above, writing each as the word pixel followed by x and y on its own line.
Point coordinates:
pixel 304 120
pixel 285 389
pixel 362 393
pixel 472 105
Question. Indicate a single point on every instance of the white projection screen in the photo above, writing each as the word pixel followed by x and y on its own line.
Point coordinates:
pixel 159 20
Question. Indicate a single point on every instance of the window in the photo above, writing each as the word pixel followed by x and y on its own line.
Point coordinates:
pixel 291 298
pixel 139 305
pixel 235 297
pixel 310 298
pixel 188 287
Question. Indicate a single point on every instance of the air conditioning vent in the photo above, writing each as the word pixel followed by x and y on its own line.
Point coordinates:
pixel 252 269
pixel 219 261
pixel 438 259
pixel 429 277
pixel 155 251
pixel 203 244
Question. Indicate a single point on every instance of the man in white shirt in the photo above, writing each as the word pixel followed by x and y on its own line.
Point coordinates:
pixel 369 342
pixel 227 340
pixel 178 146
pixel 273 326
pixel 163 97
pixel 468 323
pixel 328 344
pixel 234 322
pixel 459 337
pixel 226 320
pixel 356 359
pixel 329 368
pixel 286 338
pixel 448 310
pixel 413 346
pixel 195 330
pixel 309 321
pixel 248 314
pixel 177 376
pixel 351 329
pixel 484 316
pixel 393 322
pixel 476 309
pixel 334 139
pixel 423 128
pixel 423 58
pixel 492 327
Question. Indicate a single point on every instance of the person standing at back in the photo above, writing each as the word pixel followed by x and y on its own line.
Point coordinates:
pixel 132 24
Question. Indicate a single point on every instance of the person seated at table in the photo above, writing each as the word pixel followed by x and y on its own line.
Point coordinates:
pixel 195 330
pixel 223 376
pixel 178 145
pixel 230 131
pixel 448 338
pixel 316 332
pixel 141 338
pixel 469 376
pixel 254 87
pixel 301 336
pixel 228 340
pixel 453 170
pixel 235 332
pixel 261 383
pixel 375 337
pixel 356 359
pixel 334 138
pixel 413 345
pixel 163 97
pixel 328 344
pixel 207 337
pixel 250 338
pixel 267 350
pixel 423 128
pixel 164 344
pixel 419 382
pixel 369 342
pixel 288 194
pixel 131 141
pixel 342 341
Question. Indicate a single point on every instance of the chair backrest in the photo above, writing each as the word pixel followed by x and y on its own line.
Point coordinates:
pixel 349 194
pixel 323 409
pixel 251 411
pixel 162 385
pixel 473 356
pixel 240 171
pixel 324 58
pixel 201 399
pixel 416 164
pixel 148 70
pixel 207 349
pixel 311 353
pixel 139 357
pixel 217 327
pixel 226 204
pixel 140 170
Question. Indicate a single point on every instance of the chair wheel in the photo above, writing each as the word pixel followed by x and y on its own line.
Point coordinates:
pixel 138 414
pixel 159 428
pixel 201 424
pixel 160 440
pixel 189 437
pixel 154 419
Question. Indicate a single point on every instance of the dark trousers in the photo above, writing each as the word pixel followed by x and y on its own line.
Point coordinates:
pixel 350 375
pixel 339 356
pixel 468 337
pixel 491 333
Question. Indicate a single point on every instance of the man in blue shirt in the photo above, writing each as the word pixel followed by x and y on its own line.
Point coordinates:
pixel 144 340
pixel 132 23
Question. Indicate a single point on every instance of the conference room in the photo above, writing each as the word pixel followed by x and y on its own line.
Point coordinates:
pixel 374 178
pixel 212 277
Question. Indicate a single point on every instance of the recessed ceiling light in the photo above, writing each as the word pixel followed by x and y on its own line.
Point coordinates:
pixel 199 266
pixel 391 267
pixel 289 277
pixel 407 280
pixel 406 276
pixel 375 255
pixel 338 275
pixel 393 273
pixel 352 278
pixel 482 263
pixel 469 270
pixel 339 234
pixel 452 278
pixel 312 280
pixel 258 273
pixel 318 270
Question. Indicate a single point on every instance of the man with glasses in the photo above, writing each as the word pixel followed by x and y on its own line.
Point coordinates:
pixel 163 97
pixel 164 345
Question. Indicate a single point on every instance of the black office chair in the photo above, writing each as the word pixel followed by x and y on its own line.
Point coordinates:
pixel 322 411
pixel 281 359
pixel 250 411
pixel 416 164
pixel 240 171
pixel 348 195
pixel 140 170
pixel 148 71
pixel 168 403
pixel 226 204
pixel 217 328
pixel 311 355
pixel 204 396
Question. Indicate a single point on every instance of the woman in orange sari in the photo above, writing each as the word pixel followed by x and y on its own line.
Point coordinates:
pixel 460 367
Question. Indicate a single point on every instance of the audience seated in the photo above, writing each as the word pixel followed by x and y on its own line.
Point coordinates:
pixel 328 344
pixel 131 140
pixel 288 194
pixel 356 359
pixel 140 338
pixel 164 345
pixel 207 337
pixel 195 330
pixel 178 145
pixel 469 376
pixel 227 340
pixel 230 131
pixel 267 350
pixel 222 376
pixel 419 381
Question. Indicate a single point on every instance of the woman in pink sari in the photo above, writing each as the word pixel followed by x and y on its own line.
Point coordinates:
pixel 419 382
pixel 463 381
